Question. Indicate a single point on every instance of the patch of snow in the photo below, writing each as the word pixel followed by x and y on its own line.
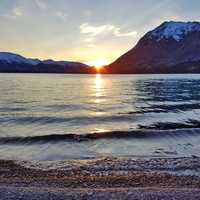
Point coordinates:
pixel 175 30
pixel 63 63
pixel 14 58
pixel 34 61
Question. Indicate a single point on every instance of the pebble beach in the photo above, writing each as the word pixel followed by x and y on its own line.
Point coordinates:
pixel 105 178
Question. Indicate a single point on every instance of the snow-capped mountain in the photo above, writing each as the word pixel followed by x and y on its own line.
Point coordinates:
pixel 62 63
pixel 175 30
pixel 10 62
pixel 172 47
pixel 15 58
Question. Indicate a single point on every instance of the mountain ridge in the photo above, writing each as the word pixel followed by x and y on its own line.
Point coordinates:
pixel 163 50
pixel 11 62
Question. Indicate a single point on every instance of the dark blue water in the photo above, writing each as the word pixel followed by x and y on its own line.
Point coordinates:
pixel 56 117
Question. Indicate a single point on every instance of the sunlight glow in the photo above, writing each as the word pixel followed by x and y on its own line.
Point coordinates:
pixel 98 64
pixel 98 94
pixel 98 84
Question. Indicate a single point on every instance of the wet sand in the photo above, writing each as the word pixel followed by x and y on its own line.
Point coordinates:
pixel 106 178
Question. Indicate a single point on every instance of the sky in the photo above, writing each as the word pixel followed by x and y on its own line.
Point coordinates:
pixel 84 30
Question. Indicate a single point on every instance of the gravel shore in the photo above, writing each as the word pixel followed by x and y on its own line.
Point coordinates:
pixel 108 178
pixel 27 193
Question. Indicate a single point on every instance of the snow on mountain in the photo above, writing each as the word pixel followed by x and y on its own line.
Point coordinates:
pixel 62 63
pixel 172 47
pixel 15 58
pixel 9 58
pixel 175 30
pixel 10 62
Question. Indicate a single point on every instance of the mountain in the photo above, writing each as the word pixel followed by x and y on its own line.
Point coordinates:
pixel 10 62
pixel 172 47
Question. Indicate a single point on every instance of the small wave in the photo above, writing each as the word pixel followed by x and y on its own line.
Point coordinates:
pixel 176 107
pixel 70 107
pixel 7 109
pixel 137 134
pixel 53 119
pixel 151 108
pixel 170 125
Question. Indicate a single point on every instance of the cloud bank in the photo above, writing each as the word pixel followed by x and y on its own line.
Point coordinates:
pixel 93 31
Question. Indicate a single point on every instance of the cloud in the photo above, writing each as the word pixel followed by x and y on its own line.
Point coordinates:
pixel 91 45
pixel 41 4
pixel 14 13
pixel 18 12
pixel 89 39
pixel 107 28
pixel 118 33
pixel 61 15
pixel 95 30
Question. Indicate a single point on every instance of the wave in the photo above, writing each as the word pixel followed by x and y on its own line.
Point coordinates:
pixel 171 125
pixel 137 134
pixel 171 108
pixel 7 109
pixel 52 119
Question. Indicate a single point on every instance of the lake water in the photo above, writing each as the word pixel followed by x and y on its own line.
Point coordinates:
pixel 60 117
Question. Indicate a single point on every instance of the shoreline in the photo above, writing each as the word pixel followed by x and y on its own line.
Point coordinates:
pixel 107 176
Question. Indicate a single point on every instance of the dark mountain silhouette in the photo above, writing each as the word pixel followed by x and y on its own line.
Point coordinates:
pixel 10 62
pixel 173 47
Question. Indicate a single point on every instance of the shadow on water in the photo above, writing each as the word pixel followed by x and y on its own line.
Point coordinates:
pixel 165 95
pixel 162 90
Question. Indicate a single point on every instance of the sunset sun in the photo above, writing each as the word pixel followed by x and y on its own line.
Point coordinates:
pixel 99 63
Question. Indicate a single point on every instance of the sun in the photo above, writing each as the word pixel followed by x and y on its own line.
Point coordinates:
pixel 99 63
pixel 98 67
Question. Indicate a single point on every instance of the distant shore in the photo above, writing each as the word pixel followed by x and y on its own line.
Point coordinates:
pixel 106 178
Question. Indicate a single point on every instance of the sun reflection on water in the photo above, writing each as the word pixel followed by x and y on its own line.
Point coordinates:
pixel 98 94
pixel 98 86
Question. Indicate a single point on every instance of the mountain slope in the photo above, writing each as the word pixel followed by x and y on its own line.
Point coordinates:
pixel 173 47
pixel 10 62
pixel 8 57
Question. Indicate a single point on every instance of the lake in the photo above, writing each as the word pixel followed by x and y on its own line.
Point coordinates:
pixel 65 116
